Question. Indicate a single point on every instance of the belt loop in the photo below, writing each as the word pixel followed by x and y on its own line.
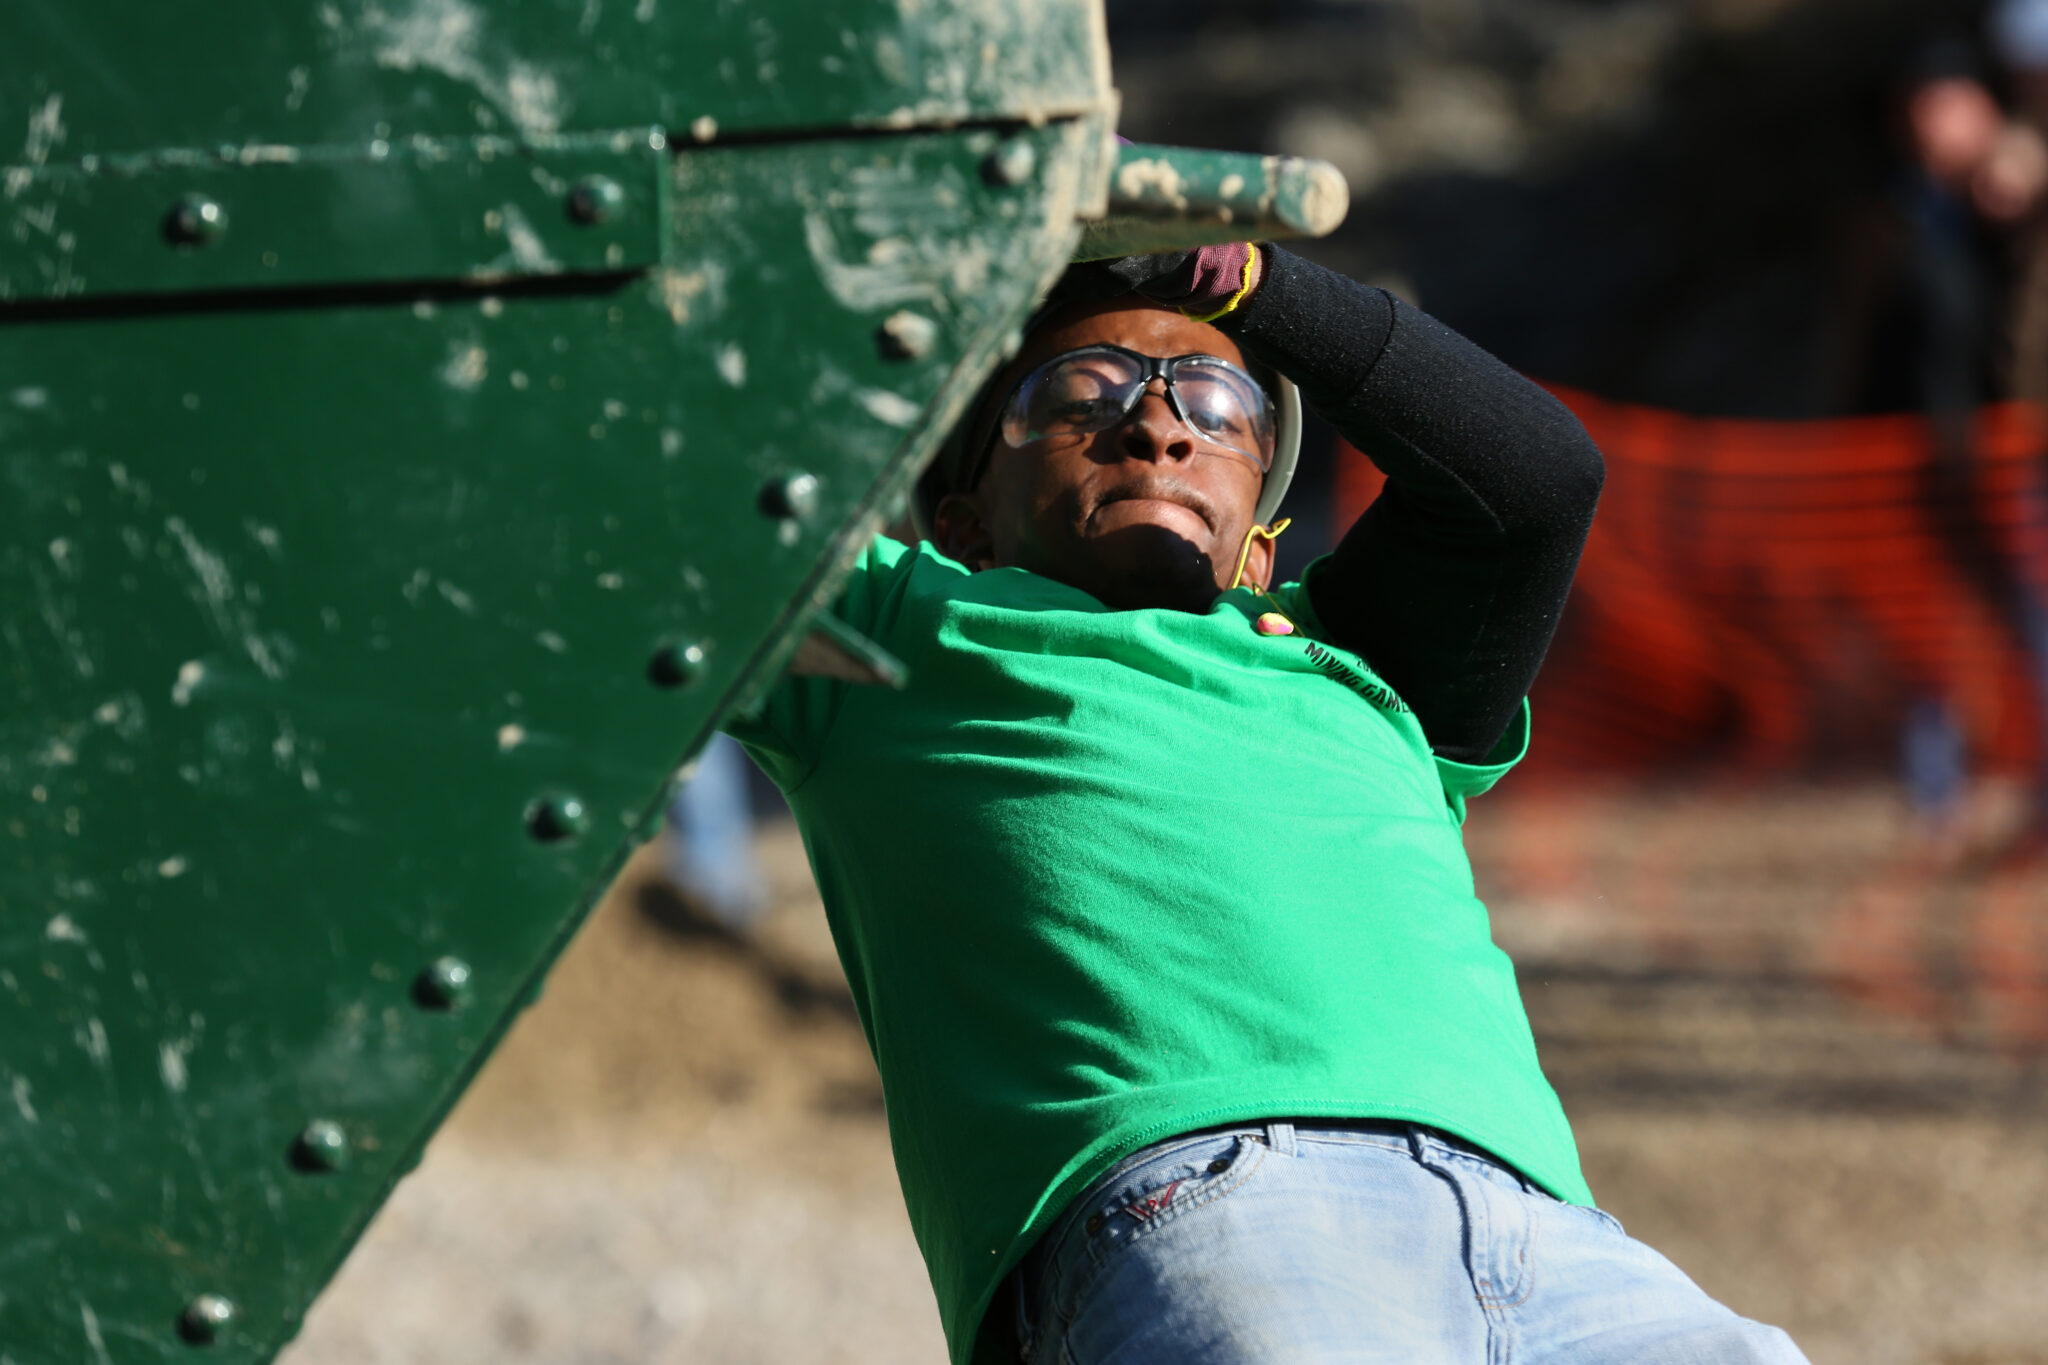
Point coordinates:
pixel 1418 1136
pixel 1280 1137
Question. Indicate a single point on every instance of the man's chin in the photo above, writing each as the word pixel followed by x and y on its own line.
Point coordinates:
pixel 1150 566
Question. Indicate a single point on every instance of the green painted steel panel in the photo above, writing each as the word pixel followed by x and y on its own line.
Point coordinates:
pixel 112 76
pixel 277 216
pixel 313 602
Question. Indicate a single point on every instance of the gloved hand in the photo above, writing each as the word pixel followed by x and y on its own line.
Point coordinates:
pixel 1205 282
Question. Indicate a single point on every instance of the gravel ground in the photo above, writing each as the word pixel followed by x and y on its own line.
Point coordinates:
pixel 679 1153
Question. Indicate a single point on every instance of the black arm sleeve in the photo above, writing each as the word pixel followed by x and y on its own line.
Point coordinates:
pixel 1451 584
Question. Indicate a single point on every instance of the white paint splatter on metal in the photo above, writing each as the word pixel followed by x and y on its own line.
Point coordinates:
pixel 1153 180
pixel 45 131
pixel 170 1063
pixel 467 367
pixel 455 597
pixel 62 929
pixel 21 1100
pixel 217 594
pixel 892 408
pixel 528 252
pixel 449 36
pixel 93 1038
pixel 732 364
pixel 266 536
pixel 190 674
pixel 680 287
pixel 92 1334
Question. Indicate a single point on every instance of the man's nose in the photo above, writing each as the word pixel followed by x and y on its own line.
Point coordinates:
pixel 1151 431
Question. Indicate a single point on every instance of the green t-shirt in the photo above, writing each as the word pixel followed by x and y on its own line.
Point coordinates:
pixel 1102 877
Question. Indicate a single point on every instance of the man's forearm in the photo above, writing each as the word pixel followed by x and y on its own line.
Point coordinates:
pixel 1451 584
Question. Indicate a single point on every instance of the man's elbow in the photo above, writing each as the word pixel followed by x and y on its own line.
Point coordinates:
pixel 1569 472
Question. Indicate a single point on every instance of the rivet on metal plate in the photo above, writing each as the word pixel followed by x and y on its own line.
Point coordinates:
pixel 905 335
pixel 205 1318
pixel 793 497
pixel 442 984
pixel 677 663
pixel 596 199
pixel 321 1146
pixel 551 819
pixel 196 220
pixel 1010 164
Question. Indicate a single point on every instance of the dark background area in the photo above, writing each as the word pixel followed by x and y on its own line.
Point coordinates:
pixel 1681 204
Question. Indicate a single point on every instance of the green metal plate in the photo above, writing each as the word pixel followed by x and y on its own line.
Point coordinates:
pixel 103 77
pixel 311 610
pixel 276 216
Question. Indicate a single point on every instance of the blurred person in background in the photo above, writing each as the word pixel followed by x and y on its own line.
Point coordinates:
pixel 2010 181
pixel 709 859
pixel 1970 193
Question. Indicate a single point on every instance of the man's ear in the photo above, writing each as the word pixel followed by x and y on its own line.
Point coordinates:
pixel 960 533
pixel 1258 565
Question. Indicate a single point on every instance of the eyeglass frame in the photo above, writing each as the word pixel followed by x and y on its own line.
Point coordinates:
pixel 1155 367
pixel 948 473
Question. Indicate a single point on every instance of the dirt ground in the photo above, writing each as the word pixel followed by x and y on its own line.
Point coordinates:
pixel 679 1153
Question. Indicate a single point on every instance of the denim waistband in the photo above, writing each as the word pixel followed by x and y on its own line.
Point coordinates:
pixel 1283 1137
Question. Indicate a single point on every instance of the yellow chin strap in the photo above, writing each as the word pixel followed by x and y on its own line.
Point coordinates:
pixel 1265 533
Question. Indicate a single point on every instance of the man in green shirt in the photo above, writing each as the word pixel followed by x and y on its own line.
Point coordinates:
pixel 1150 887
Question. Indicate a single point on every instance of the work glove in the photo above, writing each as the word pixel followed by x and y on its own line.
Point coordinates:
pixel 1204 282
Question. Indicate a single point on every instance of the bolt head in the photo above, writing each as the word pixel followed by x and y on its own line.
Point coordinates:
pixel 551 819
pixel 596 199
pixel 442 984
pixel 321 1146
pixel 196 220
pixel 205 1318
pixel 793 497
pixel 905 335
pixel 676 664
pixel 1010 164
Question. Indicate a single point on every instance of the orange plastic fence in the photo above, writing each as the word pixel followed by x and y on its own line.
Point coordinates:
pixel 1767 598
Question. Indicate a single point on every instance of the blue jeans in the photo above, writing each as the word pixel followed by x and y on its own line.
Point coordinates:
pixel 1354 1243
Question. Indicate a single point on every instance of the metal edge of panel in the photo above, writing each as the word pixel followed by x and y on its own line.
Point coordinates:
pixel 257 217
pixel 1095 147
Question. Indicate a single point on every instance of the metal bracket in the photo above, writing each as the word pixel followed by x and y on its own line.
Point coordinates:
pixel 1163 198
pixel 267 217
pixel 834 649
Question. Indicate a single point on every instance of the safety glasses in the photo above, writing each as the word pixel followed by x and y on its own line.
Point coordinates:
pixel 1094 388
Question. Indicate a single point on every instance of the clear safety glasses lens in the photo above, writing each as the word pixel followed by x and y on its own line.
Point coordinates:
pixel 1095 388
